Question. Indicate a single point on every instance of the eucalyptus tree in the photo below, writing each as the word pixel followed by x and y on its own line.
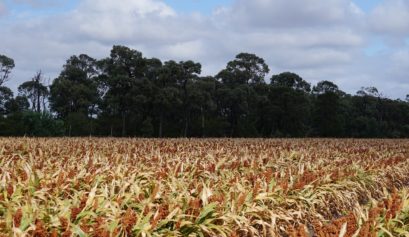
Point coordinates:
pixel 6 66
pixel 35 91
pixel 327 115
pixel 289 105
pixel 123 77
pixel 236 90
pixel 74 93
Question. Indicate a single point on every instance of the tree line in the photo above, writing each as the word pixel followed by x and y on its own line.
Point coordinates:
pixel 129 95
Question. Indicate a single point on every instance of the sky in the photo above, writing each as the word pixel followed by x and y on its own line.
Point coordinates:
pixel 354 43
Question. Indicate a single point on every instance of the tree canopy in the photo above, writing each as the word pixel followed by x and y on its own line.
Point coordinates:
pixel 129 94
pixel 6 65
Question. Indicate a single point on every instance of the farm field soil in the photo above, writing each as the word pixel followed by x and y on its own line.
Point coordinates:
pixel 203 187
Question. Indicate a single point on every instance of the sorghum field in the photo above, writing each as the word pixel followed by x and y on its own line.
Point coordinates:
pixel 204 187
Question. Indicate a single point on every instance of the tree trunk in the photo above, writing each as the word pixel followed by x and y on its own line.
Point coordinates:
pixel 232 123
pixel 203 121
pixel 43 103
pixel 123 124
pixel 186 126
pixel 90 125
pixel 90 128
pixel 160 124
pixel 186 109
pixel 38 100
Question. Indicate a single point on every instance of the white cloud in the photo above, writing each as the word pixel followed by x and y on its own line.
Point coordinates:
pixel 391 18
pixel 399 66
pixel 127 8
pixel 189 49
pixel 289 14
pixel 42 3
pixel 401 57
pixel 334 38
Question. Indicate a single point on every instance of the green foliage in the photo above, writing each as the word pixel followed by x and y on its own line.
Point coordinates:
pixel 327 110
pixel 75 90
pixel 147 129
pixel 244 69
pixel 290 80
pixel 17 104
pixel 77 124
pixel 6 65
pixel 6 97
pixel 129 95
pixel 35 91
pixel 30 123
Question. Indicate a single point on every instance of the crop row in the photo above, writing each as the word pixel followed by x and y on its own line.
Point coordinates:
pixel 203 187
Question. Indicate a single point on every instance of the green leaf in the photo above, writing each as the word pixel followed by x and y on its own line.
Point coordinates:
pixel 206 213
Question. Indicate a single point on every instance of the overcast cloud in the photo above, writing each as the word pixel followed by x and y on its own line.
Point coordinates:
pixel 2 9
pixel 391 18
pixel 318 39
pixel 41 3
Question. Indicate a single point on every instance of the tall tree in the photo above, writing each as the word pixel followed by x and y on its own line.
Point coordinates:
pixel 189 73
pixel 367 113
pixel 324 87
pixel 235 93
pixel 74 94
pixel 200 95
pixel 290 104
pixel 6 96
pixel 369 91
pixel 124 74
pixel 328 117
pixel 6 65
pixel 244 69
pixel 35 91
pixel 167 98
pixel 290 80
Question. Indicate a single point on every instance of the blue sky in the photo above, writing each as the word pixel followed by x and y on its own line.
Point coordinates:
pixel 27 8
pixel 203 6
pixel 367 5
pixel 327 39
